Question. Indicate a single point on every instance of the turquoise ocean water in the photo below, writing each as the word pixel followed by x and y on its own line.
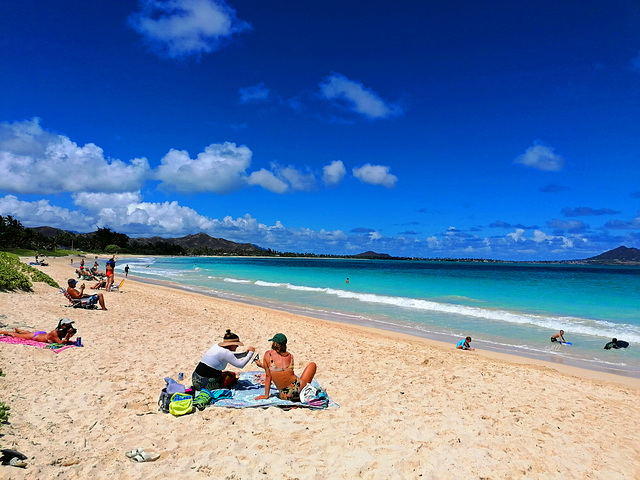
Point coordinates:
pixel 510 308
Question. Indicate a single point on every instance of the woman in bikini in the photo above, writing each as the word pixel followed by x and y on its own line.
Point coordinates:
pixel 62 334
pixel 278 367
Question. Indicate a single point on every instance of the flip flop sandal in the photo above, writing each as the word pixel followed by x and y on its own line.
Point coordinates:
pixel 16 462
pixel 13 458
pixel 139 455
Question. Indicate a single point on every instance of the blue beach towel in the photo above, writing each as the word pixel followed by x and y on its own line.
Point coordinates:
pixel 251 385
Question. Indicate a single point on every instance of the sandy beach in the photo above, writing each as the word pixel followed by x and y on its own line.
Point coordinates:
pixel 409 407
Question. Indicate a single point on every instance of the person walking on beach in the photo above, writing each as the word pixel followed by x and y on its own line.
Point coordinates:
pixel 558 337
pixel 465 344
pixel 126 271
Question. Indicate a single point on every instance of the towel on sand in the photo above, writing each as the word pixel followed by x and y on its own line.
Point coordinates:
pixel 24 341
pixel 251 385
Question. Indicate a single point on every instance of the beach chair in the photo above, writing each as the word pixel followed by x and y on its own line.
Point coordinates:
pixel 117 288
pixel 88 303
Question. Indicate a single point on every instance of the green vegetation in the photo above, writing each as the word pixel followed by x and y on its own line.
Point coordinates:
pixel 27 252
pixel 4 408
pixel 15 275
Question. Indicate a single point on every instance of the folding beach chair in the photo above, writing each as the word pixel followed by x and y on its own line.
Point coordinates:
pixel 89 302
pixel 118 287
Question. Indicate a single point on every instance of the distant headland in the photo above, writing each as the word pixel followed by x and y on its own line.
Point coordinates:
pixel 48 239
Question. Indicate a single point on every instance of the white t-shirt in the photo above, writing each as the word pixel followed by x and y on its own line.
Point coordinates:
pixel 218 357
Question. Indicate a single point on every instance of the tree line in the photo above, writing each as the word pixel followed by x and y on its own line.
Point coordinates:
pixel 14 235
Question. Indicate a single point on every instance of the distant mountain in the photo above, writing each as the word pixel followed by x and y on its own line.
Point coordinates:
pixel 620 255
pixel 204 241
pixel 374 256
pixel 50 232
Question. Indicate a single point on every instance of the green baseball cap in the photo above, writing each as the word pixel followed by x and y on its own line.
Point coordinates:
pixel 279 338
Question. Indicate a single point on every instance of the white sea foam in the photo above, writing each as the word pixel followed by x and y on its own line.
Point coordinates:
pixel 584 326
pixel 235 280
pixel 262 283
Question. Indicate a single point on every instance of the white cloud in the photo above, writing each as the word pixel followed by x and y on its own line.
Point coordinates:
pixel 41 212
pixel 517 236
pixel 542 158
pixel 221 168
pixel 168 218
pixel 333 173
pixel 374 236
pixel 296 179
pixel 255 93
pixel 539 237
pixel 375 175
pixel 179 28
pixel 433 243
pixel 282 179
pixel 357 97
pixel 266 179
pixel 33 160
pixel 94 202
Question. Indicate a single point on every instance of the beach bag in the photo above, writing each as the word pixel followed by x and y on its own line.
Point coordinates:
pixel 181 404
pixel 164 401
pixel 309 392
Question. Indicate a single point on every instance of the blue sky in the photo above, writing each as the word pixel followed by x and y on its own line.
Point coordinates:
pixel 506 130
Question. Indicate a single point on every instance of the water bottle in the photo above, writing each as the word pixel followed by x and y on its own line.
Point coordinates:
pixel 181 376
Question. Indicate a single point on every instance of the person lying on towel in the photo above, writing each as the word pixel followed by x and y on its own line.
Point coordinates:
pixel 62 333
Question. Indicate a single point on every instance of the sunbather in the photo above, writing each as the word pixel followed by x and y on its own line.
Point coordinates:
pixel 209 372
pixel 278 366
pixel 79 294
pixel 99 284
pixel 62 333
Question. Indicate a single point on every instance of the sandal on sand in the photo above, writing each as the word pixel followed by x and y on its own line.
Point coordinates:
pixel 13 458
pixel 139 455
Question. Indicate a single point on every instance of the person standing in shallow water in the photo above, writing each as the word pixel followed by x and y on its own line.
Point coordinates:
pixel 126 271
pixel 558 337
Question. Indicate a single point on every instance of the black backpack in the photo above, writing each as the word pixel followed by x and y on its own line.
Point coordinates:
pixel 164 401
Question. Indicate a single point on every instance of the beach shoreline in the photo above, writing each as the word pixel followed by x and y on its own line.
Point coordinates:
pixel 550 359
pixel 409 407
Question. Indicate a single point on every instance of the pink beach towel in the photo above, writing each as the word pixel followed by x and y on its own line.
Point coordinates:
pixel 24 341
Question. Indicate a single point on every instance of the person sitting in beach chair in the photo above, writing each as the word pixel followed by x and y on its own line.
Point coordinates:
pixel 209 372
pixel 465 344
pixel 99 284
pixel 84 275
pixel 61 334
pixel 80 299
pixel 278 367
